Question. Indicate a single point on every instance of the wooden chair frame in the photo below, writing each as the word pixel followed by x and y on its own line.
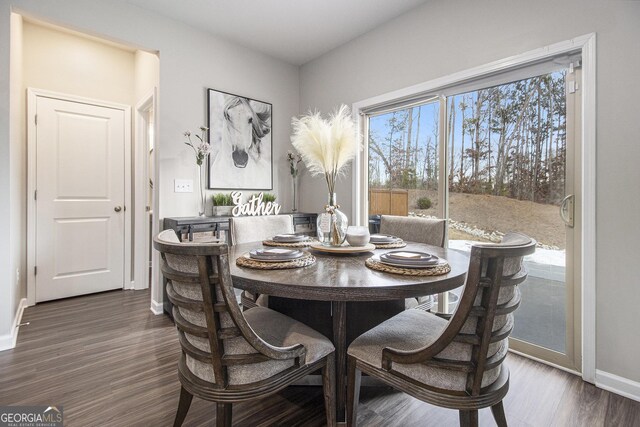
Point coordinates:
pixel 474 397
pixel 213 273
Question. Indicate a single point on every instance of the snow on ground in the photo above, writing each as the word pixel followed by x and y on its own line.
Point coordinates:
pixel 549 257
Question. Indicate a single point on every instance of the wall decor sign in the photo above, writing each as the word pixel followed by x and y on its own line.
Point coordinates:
pixel 254 206
pixel 241 142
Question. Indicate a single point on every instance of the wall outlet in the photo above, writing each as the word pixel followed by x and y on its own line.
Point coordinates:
pixel 183 186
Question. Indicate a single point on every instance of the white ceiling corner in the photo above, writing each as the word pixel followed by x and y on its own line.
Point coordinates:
pixel 295 31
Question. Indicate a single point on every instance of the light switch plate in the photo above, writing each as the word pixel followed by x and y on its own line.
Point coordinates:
pixel 183 186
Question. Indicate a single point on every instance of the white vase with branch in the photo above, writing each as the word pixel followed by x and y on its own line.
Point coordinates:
pixel 202 149
pixel 327 146
pixel 294 159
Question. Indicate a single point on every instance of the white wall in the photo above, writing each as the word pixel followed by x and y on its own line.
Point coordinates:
pixel 6 279
pixel 147 74
pixel 67 63
pixel 17 260
pixel 190 62
pixel 447 36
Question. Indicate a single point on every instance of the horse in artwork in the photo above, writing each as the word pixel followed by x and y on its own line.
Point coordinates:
pixel 243 128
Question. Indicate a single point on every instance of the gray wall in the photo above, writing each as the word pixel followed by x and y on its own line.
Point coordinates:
pixel 447 36
pixel 437 39
pixel 190 62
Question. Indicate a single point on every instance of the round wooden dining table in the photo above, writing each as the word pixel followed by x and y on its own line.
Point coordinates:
pixel 344 278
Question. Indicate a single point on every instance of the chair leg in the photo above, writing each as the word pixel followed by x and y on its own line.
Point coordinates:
pixel 353 391
pixel 223 414
pixel 329 389
pixel 183 407
pixel 469 418
pixel 498 414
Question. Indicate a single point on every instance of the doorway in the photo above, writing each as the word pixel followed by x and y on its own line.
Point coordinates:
pixel 85 69
pixel 76 158
pixel 145 122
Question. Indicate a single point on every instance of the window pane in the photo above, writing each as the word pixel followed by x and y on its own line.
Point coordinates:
pixel 403 161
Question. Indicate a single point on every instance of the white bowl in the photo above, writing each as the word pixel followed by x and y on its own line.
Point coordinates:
pixel 357 236
pixel 357 239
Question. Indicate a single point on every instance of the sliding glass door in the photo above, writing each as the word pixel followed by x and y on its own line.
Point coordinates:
pixel 511 167
pixel 493 159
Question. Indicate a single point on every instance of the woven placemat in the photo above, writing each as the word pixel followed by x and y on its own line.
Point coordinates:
pixel 246 261
pixel 438 270
pixel 400 244
pixel 289 245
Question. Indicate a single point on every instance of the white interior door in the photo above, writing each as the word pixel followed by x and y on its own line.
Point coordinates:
pixel 80 156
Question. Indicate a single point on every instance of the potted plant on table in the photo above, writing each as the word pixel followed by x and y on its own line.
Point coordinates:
pixel 269 197
pixel 222 204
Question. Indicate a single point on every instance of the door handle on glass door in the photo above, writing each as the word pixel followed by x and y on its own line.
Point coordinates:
pixel 566 210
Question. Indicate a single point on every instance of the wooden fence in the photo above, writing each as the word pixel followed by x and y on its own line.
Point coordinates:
pixel 388 202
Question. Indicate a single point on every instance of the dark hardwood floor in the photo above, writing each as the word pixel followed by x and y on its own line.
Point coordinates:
pixel 110 362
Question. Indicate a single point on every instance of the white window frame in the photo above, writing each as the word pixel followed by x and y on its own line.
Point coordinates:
pixel 586 45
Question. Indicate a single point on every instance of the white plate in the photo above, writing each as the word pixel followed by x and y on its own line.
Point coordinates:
pixel 275 254
pixel 403 265
pixel 409 256
pixel 289 238
pixel 383 238
pixel 302 254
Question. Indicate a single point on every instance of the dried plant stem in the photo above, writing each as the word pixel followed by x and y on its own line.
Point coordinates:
pixel 335 232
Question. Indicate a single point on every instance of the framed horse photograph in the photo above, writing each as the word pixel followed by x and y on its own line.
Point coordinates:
pixel 241 143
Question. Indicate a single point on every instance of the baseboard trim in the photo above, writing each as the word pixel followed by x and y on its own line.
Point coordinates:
pixel 618 385
pixel 156 307
pixel 8 341
pixel 546 362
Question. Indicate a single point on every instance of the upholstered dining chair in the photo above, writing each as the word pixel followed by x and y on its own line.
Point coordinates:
pixel 243 229
pixel 228 355
pixel 453 361
pixel 415 229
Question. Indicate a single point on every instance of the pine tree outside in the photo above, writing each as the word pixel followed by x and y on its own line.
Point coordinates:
pixel 506 168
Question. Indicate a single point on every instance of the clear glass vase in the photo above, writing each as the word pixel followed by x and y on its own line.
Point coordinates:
pixel 202 203
pixel 332 224
pixel 294 203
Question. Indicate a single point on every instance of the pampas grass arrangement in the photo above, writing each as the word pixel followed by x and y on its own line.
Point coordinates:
pixel 326 146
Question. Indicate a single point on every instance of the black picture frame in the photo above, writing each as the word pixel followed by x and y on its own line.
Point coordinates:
pixel 240 134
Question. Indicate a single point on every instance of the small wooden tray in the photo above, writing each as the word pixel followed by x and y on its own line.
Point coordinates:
pixel 344 249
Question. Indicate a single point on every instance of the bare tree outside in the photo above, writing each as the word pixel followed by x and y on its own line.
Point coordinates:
pixel 506 167
pixel 504 142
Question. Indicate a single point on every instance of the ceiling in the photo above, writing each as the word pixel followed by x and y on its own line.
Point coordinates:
pixel 295 31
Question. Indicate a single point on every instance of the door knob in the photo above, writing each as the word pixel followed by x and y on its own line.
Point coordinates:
pixel 117 209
